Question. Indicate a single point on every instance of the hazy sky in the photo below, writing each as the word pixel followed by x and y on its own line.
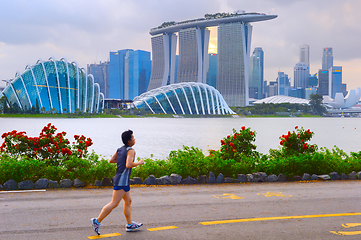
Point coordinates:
pixel 87 30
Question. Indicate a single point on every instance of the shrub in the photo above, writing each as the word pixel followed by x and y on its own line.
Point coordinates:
pixel 239 144
pixel 296 142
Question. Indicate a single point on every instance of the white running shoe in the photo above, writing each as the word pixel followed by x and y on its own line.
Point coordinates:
pixel 133 226
pixel 96 225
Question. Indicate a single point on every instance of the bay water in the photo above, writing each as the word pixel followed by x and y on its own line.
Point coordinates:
pixel 159 136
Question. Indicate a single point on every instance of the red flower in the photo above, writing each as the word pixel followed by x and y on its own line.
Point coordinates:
pixel 222 142
pixel 305 146
pixel 296 127
pixel 243 127
pixel 251 133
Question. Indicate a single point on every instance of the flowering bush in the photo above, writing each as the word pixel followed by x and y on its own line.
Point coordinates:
pixel 49 147
pixel 239 144
pixel 296 142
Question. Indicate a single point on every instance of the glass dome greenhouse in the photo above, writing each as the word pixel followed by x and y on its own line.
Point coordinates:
pixel 55 86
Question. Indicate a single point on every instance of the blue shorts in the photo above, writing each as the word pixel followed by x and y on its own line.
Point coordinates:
pixel 125 188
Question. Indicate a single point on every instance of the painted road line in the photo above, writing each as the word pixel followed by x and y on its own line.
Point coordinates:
pixel 280 218
pixel 274 194
pixel 23 191
pixel 348 233
pixel 349 225
pixel 105 235
pixel 161 228
pixel 343 233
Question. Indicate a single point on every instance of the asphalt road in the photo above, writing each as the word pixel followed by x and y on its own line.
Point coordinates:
pixel 291 210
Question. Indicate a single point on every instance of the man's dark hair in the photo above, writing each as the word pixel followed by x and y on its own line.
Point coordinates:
pixel 126 136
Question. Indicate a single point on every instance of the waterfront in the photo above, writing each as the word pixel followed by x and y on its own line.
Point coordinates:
pixel 159 136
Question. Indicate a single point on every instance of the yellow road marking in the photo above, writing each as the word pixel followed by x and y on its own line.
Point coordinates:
pixel 227 195
pixel 274 194
pixel 280 218
pixel 348 233
pixel 161 228
pixel 349 225
pixel 105 235
pixel 342 233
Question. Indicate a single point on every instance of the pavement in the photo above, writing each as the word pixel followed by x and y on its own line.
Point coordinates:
pixel 282 210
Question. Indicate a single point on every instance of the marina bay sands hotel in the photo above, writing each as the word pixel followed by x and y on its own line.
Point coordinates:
pixel 234 42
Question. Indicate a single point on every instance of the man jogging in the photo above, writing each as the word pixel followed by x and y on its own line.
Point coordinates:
pixel 124 158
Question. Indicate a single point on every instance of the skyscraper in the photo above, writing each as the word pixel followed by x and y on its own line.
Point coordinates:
pixel 129 72
pixel 323 82
pixel 212 70
pixel 163 64
pixel 100 73
pixel 116 74
pixel 335 81
pixel 301 74
pixel 305 54
pixel 234 40
pixel 193 55
pixel 256 74
pixel 327 59
pixel 283 83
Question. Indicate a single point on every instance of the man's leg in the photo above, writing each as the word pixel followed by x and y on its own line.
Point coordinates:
pixel 117 197
pixel 127 208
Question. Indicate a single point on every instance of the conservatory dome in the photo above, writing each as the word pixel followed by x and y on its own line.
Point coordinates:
pixel 55 85
pixel 183 98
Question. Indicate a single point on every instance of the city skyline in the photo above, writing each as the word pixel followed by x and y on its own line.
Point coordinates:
pixel 41 29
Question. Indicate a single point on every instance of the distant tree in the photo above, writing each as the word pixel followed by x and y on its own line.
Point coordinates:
pixel 37 107
pixel 316 104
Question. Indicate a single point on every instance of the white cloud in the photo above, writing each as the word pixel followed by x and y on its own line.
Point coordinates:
pixel 86 30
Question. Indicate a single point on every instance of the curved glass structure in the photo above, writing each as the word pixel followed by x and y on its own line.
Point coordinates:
pixel 55 85
pixel 183 98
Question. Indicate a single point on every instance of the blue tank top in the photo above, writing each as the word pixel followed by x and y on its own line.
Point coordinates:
pixel 123 173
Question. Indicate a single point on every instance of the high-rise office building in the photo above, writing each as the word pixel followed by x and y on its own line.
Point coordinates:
pixel 323 82
pixel 272 89
pixel 327 58
pixel 100 73
pixel 283 83
pixel 305 54
pixel 301 74
pixel 116 74
pixel 313 80
pixel 335 81
pixel 212 70
pixel 234 40
pixel 129 73
pixel 256 74
pixel 137 73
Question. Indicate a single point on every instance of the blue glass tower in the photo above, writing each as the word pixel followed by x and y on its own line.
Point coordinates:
pixel 283 83
pixel 335 81
pixel 129 73
pixel 212 70
pixel 256 74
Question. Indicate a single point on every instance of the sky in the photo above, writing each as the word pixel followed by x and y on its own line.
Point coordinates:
pixel 87 30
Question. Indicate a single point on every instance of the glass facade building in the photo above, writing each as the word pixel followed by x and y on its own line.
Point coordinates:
pixel 55 85
pixel 100 73
pixel 283 83
pixel 327 59
pixel 183 98
pixel 323 82
pixel 335 81
pixel 256 74
pixel 129 73
pixel 212 70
